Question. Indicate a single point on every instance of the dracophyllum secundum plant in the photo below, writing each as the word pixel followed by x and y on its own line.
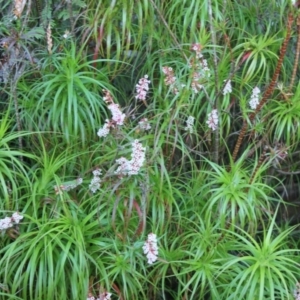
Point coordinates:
pixel 14 173
pixel 284 115
pixel 195 255
pixel 66 95
pixel 262 268
pixel 236 196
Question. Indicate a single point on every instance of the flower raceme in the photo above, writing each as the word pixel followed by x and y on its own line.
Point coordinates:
pixel 133 166
pixel 150 248
pixel 190 124
pixel 254 101
pixel 9 222
pixel 213 120
pixel 201 71
pixel 95 183
pixel 117 116
pixel 227 89
pixel 142 88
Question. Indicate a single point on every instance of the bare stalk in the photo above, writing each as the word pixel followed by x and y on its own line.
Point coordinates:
pixel 296 63
pixel 215 60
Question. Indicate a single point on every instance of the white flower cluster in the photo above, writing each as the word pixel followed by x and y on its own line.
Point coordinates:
pixel 254 101
pixel 132 167
pixel 190 124
pixel 202 70
pixel 67 186
pixel 297 291
pixel 213 120
pixel 95 182
pixel 104 131
pixel 144 124
pixel 117 116
pixel 142 88
pixel 103 296
pixel 150 248
pixel 227 89
pixel 9 222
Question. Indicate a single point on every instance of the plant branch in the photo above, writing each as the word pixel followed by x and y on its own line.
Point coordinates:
pixel 296 62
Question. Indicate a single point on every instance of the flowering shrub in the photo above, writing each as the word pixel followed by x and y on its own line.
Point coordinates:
pixel 177 150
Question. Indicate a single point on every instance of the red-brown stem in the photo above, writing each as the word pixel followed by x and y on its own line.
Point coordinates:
pixel 296 66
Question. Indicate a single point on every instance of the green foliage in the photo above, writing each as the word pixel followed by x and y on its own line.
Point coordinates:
pixel 65 98
pixel 265 269
pixel 86 217
pixel 284 120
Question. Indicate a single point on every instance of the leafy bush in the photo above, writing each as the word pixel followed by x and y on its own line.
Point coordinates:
pixel 149 150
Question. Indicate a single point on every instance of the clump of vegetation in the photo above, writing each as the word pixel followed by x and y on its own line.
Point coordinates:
pixel 149 150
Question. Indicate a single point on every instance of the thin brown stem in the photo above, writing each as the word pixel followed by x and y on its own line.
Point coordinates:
pixel 296 63
pixel 215 61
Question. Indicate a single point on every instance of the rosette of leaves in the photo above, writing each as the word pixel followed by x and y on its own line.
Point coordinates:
pixel 66 98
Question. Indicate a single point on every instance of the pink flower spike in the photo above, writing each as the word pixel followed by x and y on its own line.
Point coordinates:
pixel 133 166
pixel 117 116
pixel 142 88
pixel 150 248
pixel 213 120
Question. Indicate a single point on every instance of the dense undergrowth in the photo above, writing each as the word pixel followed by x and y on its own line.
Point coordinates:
pixel 149 149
